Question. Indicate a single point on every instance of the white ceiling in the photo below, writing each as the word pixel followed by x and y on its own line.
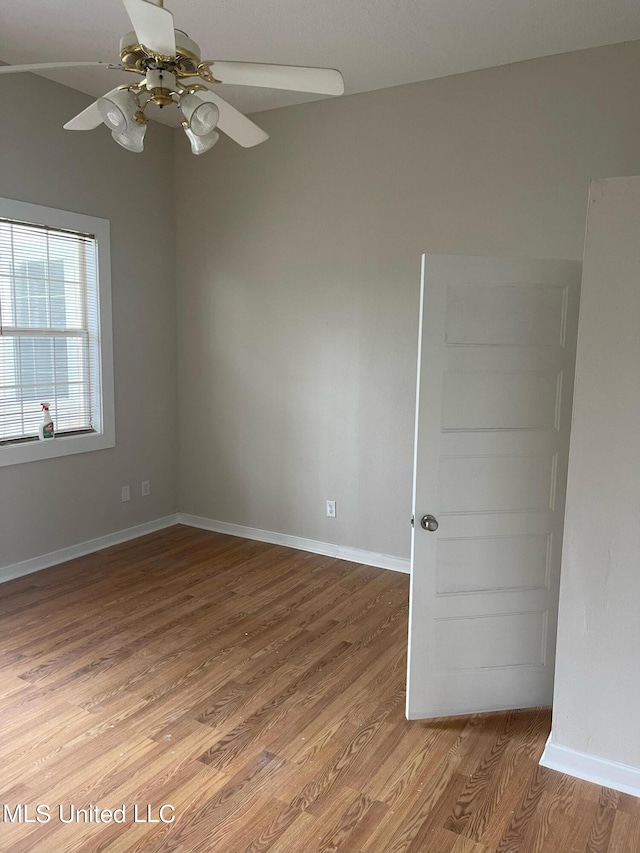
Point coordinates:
pixel 375 43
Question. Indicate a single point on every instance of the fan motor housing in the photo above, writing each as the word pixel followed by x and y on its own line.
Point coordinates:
pixel 135 56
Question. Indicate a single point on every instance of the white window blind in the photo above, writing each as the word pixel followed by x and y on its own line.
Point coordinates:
pixel 49 330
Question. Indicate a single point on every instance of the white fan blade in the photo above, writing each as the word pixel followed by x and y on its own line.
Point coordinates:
pixel 88 119
pixel 322 81
pixel 153 25
pixel 43 66
pixel 241 129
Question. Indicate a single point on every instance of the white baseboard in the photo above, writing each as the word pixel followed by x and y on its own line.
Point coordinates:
pixel 355 555
pixel 609 774
pixel 36 564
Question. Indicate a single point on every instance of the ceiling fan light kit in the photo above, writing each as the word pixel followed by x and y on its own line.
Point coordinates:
pixel 169 63
pixel 121 113
pixel 132 138
pixel 200 144
pixel 118 109
pixel 201 116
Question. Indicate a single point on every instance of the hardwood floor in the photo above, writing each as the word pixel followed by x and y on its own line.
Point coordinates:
pixel 259 691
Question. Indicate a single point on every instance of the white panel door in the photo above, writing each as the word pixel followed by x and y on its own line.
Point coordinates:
pixel 493 415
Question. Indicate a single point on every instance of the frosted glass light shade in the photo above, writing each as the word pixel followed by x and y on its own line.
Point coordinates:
pixel 132 138
pixel 200 144
pixel 202 116
pixel 118 109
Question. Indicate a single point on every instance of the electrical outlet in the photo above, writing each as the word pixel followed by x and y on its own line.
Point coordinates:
pixel 331 509
pixel 126 493
pixel 146 488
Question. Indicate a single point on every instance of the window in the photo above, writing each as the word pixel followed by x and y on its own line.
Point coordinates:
pixel 55 332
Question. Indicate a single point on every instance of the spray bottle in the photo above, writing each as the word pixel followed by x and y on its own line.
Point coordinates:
pixel 46 427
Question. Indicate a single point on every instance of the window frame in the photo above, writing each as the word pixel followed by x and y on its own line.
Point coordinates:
pixel 27 450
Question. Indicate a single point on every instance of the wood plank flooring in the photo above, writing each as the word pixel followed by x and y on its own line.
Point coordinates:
pixel 259 691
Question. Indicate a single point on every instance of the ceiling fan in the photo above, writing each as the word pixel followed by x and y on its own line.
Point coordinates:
pixel 172 74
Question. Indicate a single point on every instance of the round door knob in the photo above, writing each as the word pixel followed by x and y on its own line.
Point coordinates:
pixel 429 522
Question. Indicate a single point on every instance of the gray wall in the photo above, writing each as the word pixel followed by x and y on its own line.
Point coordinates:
pixel 597 692
pixel 298 274
pixel 52 504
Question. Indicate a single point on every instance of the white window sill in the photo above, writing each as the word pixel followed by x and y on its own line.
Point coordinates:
pixel 32 451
